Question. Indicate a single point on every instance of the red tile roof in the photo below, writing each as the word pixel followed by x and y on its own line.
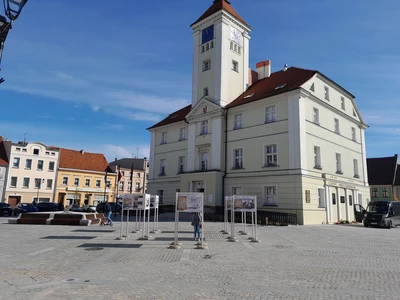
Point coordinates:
pixel 221 5
pixel 279 82
pixel 80 160
pixel 3 154
pixel 175 117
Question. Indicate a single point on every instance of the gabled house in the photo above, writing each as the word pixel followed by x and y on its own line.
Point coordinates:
pixel 382 177
pixel 294 138
pixel 84 178
pixel 134 174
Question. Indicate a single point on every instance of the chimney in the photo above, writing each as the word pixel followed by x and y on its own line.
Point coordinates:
pixel 264 69
pixel 82 151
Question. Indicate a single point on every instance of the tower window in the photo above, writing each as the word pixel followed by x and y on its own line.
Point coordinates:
pixel 205 91
pixel 235 66
pixel 202 48
pixel 206 65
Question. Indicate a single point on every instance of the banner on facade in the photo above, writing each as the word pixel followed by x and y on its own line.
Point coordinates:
pixel 154 201
pixel 245 203
pixel 189 202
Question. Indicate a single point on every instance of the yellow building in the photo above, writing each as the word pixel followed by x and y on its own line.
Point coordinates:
pixel 84 178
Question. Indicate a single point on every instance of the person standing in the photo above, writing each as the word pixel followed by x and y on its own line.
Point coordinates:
pixel 196 223
pixel 108 211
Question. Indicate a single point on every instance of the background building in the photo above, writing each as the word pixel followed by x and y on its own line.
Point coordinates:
pixel 4 164
pixel 294 138
pixel 382 175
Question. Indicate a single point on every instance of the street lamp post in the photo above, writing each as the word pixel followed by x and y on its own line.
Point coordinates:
pixel 39 182
pixel 144 175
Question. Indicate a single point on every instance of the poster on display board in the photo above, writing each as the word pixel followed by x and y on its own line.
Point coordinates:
pixel 141 201
pixel 154 200
pixel 128 201
pixel 228 202
pixel 189 202
pixel 245 203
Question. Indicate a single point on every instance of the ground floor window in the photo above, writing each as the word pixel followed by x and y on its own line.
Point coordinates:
pixel 236 191
pixel 270 197
pixel 160 194
pixel 321 198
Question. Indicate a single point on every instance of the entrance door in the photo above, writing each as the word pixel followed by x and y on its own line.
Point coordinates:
pixel 359 212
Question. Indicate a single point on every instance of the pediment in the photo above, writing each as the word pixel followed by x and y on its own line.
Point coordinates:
pixel 203 110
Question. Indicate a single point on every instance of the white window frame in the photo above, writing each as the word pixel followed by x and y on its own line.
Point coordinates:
pixel 342 103
pixel 163 166
pixel 355 168
pixel 40 165
pixel 13 181
pixel 203 161
pixel 16 162
pixel 87 182
pixel 65 180
pixel 237 190
pixel 270 196
pixel 238 121
pixel 35 151
pixel 270 114
pixel 270 156
pixel 317 157
pixel 321 198
pixel 338 159
pixel 237 156
pixel 205 92
pixel 353 134
pixel 49 184
pixel 28 166
pixel 121 185
pixel 316 115
pixel 235 65
pixel 204 127
pixel 182 134
pixel 51 165
pixel 25 182
pixel 326 94
pixel 76 181
pixel 98 183
pixel 163 138
pixel 181 164
pixel 337 126
pixel 206 65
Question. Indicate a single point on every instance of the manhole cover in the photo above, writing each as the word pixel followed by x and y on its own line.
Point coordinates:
pixel 94 249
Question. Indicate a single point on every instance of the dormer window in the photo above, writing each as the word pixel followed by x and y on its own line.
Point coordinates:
pixel 35 151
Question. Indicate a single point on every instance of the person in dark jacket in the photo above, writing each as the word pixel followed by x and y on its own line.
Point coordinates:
pixel 196 223
pixel 108 211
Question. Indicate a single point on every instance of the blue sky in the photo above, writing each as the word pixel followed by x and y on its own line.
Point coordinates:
pixel 94 74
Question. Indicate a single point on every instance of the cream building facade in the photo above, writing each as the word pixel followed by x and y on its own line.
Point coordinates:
pixel 294 138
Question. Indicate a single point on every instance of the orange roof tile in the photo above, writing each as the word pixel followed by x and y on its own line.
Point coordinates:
pixel 81 160
pixel 3 154
pixel 221 5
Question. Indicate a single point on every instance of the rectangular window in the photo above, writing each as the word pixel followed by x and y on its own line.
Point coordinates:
pixel 65 181
pixel 38 183
pixel 271 155
pixel 49 184
pixel 25 184
pixel 317 158
pixel 270 195
pixel 235 66
pixel 164 138
pixel 337 126
pixel 316 115
pixel 35 151
pixel 321 198
pixel 237 124
pixel 47 153
pixel 17 149
pixel 160 194
pixel 51 166
pixel 108 184
pixel 16 162
pixel 204 127
pixel 355 167
pixel 236 191
pixel 338 163
pixel 138 175
pixel 121 186
pixel 87 182
pixel 76 181
pixel 350 200
pixel 181 164
pixel 353 134
pixel 28 164
pixel 205 91
pixel 206 65
pixel 374 192
pixel 13 182
pixel 162 166
pixel 270 114
pixel 238 158
pixel 98 183
pixel 40 165
pixel 385 193
pixel 182 134
pixel 333 199
pixel 343 105
pixel 326 89
pixel 137 186
pixel 342 199
pixel 203 161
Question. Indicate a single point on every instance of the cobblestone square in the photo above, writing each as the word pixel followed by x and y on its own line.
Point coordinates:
pixel 294 262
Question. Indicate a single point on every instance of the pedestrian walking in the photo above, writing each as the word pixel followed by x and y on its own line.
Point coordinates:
pixel 108 211
pixel 197 224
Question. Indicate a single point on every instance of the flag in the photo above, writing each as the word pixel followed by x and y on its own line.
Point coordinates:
pixel 119 176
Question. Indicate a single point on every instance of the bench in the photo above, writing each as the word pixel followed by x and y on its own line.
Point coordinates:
pixel 30 218
pixel 70 219
pixel 93 218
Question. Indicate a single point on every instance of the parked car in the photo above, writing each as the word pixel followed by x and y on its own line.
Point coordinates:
pixel 114 207
pixel 89 208
pixel 75 207
pixel 47 206
pixel 24 208
pixel 5 209
pixel 380 213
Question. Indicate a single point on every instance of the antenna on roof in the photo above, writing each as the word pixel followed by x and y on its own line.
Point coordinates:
pixel 25 137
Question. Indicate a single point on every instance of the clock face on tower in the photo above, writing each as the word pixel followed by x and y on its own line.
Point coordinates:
pixel 207 34
pixel 236 36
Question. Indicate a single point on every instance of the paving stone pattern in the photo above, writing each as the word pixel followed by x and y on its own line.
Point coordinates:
pixel 293 262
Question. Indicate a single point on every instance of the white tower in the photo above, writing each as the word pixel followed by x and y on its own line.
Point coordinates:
pixel 221 55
